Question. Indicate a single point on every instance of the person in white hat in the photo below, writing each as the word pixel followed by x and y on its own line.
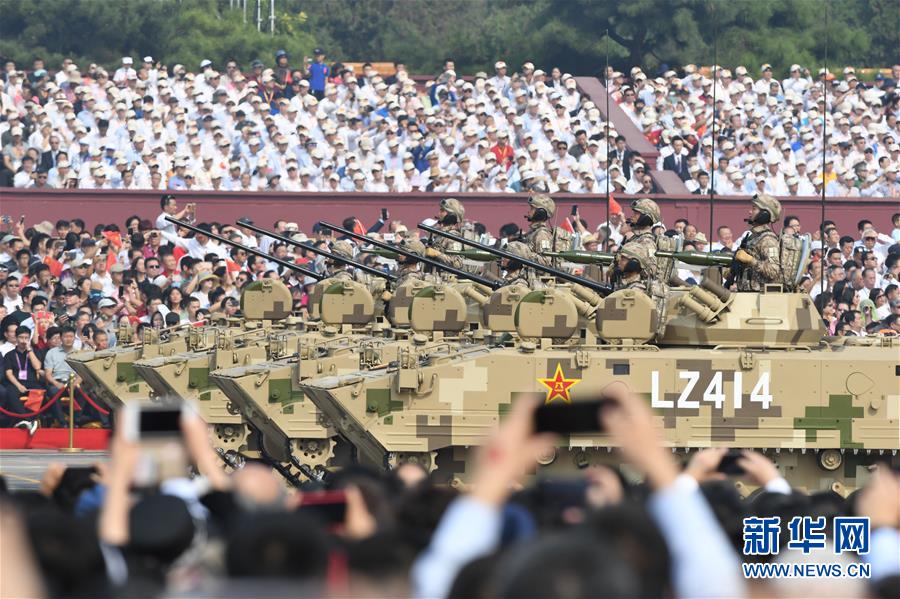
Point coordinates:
pixel 125 72
pixel 500 80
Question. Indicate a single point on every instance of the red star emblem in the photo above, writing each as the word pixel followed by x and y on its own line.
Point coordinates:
pixel 558 386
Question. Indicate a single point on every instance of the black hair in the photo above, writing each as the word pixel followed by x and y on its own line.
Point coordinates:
pixel 280 545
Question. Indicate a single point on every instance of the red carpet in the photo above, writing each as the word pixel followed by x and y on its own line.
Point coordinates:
pixel 53 438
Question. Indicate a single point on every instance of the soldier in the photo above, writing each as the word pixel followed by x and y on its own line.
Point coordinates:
pixel 758 260
pixel 408 268
pixel 450 218
pixel 630 264
pixel 517 273
pixel 339 270
pixel 642 242
pixel 539 237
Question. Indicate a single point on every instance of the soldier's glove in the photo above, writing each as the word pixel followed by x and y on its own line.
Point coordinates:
pixel 432 253
pixel 386 296
pixel 743 257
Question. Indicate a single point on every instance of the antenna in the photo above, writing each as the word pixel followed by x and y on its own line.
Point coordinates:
pixel 824 144
pixel 606 87
pixel 712 162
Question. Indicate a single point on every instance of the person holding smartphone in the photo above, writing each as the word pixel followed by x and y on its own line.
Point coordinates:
pixel 22 371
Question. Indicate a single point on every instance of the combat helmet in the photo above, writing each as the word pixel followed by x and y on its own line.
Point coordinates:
pixel 454 207
pixel 414 246
pixel 633 255
pixel 519 249
pixel 646 207
pixel 342 248
pixel 764 201
pixel 540 201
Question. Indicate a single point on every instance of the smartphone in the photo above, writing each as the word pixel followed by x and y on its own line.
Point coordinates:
pixel 327 506
pixel 150 421
pixel 729 463
pixel 575 417
pixel 71 254
pixel 574 209
pixel 384 214
pixel 562 493
pixel 22 219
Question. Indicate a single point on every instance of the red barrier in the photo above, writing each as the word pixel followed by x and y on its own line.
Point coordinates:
pixel 113 206
pixel 54 438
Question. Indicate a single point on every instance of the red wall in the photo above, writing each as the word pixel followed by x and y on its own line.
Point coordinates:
pixel 111 206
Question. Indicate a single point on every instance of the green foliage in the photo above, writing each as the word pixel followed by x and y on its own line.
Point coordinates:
pixel 170 31
pixel 570 34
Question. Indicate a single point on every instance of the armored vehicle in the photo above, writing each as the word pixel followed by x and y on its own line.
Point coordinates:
pixel 720 369
pixel 350 338
pixel 109 374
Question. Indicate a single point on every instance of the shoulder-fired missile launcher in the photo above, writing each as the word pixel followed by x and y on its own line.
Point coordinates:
pixel 748 370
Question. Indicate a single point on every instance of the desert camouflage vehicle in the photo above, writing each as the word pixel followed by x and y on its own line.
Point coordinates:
pixel 269 393
pixel 351 338
pixel 741 370
pixel 109 375
pixel 262 333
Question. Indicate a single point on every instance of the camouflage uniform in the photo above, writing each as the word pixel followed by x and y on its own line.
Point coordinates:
pixel 635 280
pixel 409 270
pixel 539 237
pixel 643 243
pixel 522 275
pixel 764 248
pixel 762 244
pixel 441 245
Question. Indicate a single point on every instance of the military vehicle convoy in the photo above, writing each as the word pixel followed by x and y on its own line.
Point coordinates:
pixel 720 369
pixel 743 370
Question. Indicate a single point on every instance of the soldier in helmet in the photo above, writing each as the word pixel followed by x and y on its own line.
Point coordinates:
pixel 335 269
pixel 539 237
pixel 758 260
pixel 339 270
pixel 642 242
pixel 408 267
pixel 516 273
pixel 450 218
pixel 631 263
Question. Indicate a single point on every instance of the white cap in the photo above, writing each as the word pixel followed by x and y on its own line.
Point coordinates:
pixel 205 63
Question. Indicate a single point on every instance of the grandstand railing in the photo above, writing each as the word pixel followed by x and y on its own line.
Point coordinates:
pixel 494 210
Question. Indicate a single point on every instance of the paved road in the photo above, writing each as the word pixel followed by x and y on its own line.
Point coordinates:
pixel 23 469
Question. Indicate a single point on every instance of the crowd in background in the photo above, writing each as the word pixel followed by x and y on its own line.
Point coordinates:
pixel 784 137
pixel 323 127
pixel 111 531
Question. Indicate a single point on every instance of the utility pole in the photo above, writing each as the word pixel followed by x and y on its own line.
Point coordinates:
pixel 245 12
pixel 259 15
pixel 272 17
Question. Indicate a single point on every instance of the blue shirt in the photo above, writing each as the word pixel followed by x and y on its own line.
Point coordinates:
pixel 318 73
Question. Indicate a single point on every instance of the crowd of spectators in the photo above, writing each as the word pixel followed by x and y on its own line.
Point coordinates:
pixel 110 531
pixel 324 127
pixel 784 137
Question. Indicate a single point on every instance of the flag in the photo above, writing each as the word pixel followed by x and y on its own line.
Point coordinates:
pixel 56 267
pixel 614 206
